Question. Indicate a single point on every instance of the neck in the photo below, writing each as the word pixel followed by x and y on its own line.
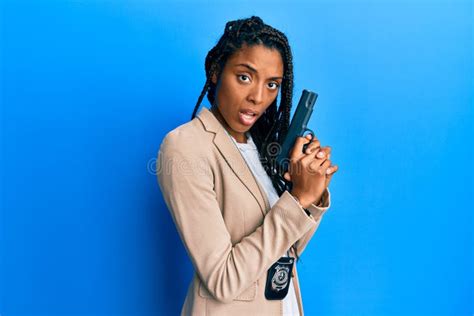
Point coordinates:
pixel 239 137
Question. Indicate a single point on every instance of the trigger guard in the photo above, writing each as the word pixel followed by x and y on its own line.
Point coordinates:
pixel 312 137
pixel 312 133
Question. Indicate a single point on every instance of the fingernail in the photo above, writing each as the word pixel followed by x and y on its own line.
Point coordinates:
pixel 321 154
pixel 328 170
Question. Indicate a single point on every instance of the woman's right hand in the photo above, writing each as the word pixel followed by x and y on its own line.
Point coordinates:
pixel 309 173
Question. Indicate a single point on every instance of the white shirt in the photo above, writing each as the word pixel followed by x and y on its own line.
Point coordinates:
pixel 250 153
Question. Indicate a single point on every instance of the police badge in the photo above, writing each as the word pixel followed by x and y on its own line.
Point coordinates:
pixel 279 278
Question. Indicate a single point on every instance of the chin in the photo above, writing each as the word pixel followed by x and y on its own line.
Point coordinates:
pixel 242 129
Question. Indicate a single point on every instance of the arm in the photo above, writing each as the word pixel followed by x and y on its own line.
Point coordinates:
pixel 317 212
pixel 225 269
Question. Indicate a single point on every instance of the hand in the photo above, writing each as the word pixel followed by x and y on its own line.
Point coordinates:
pixel 309 172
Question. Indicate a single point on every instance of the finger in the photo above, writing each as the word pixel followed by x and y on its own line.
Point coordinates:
pixel 313 167
pixel 314 145
pixel 323 152
pixel 309 157
pixel 331 170
pixel 297 150
pixel 324 166
pixel 287 176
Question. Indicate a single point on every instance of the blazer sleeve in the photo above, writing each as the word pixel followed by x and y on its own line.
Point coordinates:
pixel 225 269
pixel 317 212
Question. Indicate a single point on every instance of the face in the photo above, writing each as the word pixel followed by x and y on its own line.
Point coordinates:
pixel 248 84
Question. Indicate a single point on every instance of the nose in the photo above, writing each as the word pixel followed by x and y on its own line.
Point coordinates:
pixel 256 94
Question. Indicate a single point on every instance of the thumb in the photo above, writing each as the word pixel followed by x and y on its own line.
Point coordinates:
pixel 287 176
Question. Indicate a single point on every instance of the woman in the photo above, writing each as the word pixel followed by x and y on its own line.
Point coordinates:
pixel 237 217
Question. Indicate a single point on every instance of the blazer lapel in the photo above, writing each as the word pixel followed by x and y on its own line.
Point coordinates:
pixel 233 157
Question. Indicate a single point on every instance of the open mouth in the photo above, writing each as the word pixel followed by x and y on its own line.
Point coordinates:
pixel 247 117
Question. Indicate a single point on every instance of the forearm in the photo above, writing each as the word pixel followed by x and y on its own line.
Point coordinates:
pixel 317 212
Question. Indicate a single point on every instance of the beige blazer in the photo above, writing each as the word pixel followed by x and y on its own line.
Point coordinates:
pixel 224 219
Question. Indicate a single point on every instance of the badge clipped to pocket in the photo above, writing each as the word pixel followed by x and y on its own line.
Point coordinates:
pixel 279 278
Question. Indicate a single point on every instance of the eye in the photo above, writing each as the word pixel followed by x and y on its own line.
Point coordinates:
pixel 243 76
pixel 276 85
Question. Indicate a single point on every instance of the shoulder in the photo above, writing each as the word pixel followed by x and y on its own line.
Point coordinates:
pixel 186 151
pixel 189 139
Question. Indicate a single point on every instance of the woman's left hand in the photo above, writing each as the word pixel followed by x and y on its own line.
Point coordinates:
pixel 325 152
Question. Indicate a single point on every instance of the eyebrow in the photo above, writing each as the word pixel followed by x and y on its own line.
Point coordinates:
pixel 255 70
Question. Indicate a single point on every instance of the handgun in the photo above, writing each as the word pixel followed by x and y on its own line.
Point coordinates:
pixel 297 128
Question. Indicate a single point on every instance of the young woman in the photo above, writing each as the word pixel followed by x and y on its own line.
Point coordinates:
pixel 241 222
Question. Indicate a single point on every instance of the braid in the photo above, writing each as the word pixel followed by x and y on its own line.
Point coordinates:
pixel 271 128
pixel 204 91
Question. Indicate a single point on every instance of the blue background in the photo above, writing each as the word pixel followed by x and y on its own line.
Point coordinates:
pixel 90 88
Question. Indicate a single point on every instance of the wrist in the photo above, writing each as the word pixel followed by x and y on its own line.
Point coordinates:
pixel 322 200
pixel 301 201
